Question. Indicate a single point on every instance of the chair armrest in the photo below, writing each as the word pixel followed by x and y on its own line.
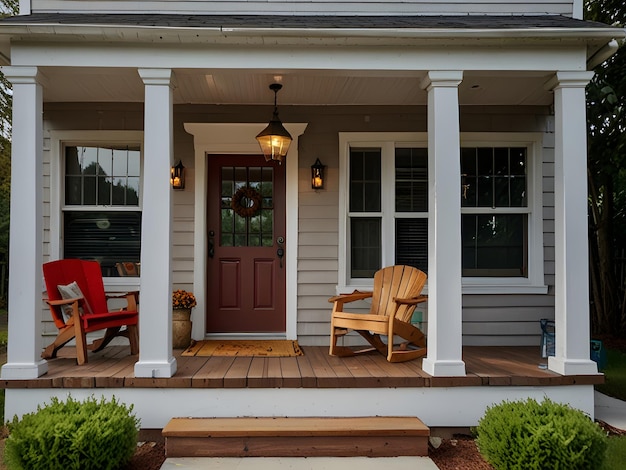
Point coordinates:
pixel 356 295
pixel 62 301
pixel 412 301
pixel 122 295
pixel 132 299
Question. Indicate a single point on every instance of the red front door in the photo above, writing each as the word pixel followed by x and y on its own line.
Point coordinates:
pixel 246 233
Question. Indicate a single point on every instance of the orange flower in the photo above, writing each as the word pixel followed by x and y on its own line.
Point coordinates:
pixel 183 299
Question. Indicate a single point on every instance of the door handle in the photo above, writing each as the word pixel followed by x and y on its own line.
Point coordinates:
pixel 211 244
pixel 281 251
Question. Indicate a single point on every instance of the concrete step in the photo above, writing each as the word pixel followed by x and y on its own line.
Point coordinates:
pixel 377 436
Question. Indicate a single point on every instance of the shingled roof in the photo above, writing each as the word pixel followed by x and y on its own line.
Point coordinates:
pixel 304 21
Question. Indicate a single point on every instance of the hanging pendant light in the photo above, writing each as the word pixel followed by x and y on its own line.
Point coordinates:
pixel 274 139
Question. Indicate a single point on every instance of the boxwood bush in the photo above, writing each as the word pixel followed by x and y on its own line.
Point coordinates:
pixel 73 435
pixel 530 435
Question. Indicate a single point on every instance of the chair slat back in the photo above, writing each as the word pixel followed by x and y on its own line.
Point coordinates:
pixel 404 282
pixel 87 275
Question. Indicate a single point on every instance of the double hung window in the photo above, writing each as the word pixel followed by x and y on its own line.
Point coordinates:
pixel 101 210
pixel 384 219
pixel 387 206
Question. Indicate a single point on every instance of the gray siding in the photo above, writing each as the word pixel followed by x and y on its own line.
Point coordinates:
pixel 304 7
pixel 487 319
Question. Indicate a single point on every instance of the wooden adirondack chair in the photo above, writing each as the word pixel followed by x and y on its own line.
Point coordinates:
pixel 397 291
pixel 75 315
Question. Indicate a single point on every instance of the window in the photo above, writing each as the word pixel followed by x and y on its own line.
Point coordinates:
pixel 494 220
pixel 384 209
pixel 101 216
pixel 387 207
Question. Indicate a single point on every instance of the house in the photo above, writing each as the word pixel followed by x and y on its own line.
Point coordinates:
pixel 453 137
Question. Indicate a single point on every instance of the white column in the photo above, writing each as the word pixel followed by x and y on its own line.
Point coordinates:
pixel 155 301
pixel 444 226
pixel 26 279
pixel 572 330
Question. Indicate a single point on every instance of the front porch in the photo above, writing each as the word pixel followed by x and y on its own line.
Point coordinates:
pixel 314 384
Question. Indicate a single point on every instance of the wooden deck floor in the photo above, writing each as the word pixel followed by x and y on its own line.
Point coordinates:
pixel 485 366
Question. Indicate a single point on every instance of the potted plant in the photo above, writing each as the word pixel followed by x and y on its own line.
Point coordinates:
pixel 182 303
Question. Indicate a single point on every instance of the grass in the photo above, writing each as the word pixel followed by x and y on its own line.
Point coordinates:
pixel 614 375
pixel 615 454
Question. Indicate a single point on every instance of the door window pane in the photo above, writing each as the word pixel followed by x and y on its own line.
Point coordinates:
pixel 247 206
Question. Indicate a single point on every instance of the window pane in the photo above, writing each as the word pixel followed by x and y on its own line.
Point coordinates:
pixel 412 243
pixel 494 245
pixel 240 188
pixel 100 176
pixel 365 243
pixel 365 180
pixel 411 180
pixel 499 179
pixel 107 237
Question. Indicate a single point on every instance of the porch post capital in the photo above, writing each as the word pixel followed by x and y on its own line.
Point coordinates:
pixel 565 79
pixel 446 78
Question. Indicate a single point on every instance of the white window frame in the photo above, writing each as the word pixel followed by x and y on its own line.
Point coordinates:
pixel 58 141
pixel 387 142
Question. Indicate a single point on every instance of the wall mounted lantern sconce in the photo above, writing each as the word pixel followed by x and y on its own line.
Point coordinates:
pixel 317 175
pixel 274 139
pixel 178 176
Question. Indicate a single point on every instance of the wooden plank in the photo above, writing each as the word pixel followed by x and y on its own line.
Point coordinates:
pixel 290 372
pixel 306 426
pixel 115 375
pixel 314 446
pixel 307 374
pixel 211 374
pixel 324 374
pixel 264 372
pixel 236 376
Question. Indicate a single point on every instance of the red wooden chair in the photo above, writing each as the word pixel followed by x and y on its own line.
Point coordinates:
pixel 397 291
pixel 75 315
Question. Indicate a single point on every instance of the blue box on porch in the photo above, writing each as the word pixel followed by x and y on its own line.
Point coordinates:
pixel 547 337
pixel 598 353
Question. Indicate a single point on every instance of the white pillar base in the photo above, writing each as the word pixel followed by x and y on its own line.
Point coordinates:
pixel 19 371
pixel 156 370
pixel 444 368
pixel 565 366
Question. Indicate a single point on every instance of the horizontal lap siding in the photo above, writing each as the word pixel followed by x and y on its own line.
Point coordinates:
pixel 488 319
pixel 432 7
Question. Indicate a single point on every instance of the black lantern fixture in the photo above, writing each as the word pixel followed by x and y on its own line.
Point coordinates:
pixel 178 176
pixel 317 175
pixel 274 139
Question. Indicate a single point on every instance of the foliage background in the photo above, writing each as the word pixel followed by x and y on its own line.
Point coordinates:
pixel 606 95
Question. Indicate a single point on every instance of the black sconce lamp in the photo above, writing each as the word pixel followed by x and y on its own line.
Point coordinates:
pixel 178 176
pixel 317 175
pixel 274 139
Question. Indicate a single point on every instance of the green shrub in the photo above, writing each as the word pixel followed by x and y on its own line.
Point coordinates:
pixel 76 435
pixel 530 435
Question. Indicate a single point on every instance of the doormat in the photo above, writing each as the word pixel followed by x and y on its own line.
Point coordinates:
pixel 244 348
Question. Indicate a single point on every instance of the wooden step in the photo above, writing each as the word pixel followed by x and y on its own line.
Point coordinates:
pixel 296 437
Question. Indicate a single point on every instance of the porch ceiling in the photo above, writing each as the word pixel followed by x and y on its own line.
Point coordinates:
pixel 63 84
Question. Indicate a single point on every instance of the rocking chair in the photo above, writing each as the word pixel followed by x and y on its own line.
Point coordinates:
pixel 78 305
pixel 397 291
